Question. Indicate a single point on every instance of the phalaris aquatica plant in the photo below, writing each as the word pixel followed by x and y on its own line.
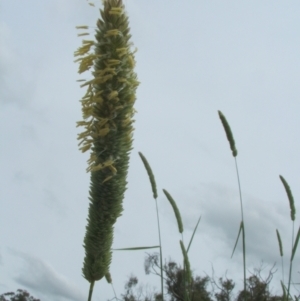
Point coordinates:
pixel 107 108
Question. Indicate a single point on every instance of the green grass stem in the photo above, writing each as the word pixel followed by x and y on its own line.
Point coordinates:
pixel 91 290
pixel 242 226
pixel 154 190
pixel 293 216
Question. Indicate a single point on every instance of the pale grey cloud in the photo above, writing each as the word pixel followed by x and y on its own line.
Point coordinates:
pixel 41 277
pixel 16 75
pixel 52 202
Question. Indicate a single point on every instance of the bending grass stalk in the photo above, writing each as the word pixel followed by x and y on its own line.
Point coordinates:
pixel 293 216
pixel 234 154
pixel 176 211
pixel 154 190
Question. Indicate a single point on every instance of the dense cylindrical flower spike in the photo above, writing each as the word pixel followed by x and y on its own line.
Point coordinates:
pixel 108 113
pixel 228 134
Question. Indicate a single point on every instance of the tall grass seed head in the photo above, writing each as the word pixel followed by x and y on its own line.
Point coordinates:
pixel 107 109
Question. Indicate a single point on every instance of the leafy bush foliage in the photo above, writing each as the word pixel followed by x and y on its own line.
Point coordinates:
pixel 20 295
pixel 257 288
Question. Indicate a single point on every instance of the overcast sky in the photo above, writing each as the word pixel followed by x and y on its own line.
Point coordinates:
pixel 194 58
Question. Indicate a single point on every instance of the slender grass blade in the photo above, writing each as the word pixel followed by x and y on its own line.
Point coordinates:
pixel 187 250
pixel 295 244
pixel 136 248
pixel 241 226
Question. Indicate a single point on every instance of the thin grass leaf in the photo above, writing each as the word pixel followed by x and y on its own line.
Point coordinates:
pixel 290 197
pixel 186 263
pixel 187 250
pixel 150 174
pixel 176 210
pixel 296 244
pixel 241 226
pixel 279 242
pixel 136 248
pixel 283 290
pixel 228 134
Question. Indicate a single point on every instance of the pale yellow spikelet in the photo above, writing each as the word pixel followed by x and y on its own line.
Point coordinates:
pixel 82 123
pixel 112 95
pixel 113 62
pixel 112 32
pixel 85 148
pixel 85 48
pixel 122 51
pixel 112 12
pixel 116 11
pixel 104 132
pixel 107 179
pixel 122 80
pixel 131 61
pixel 127 121
pixel 82 27
pixel 83 34
pixel 107 164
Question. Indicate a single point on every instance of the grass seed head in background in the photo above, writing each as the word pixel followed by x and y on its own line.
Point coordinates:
pixel 108 111
pixel 290 197
pixel 279 243
pixel 228 134
pixel 176 210
pixel 150 174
